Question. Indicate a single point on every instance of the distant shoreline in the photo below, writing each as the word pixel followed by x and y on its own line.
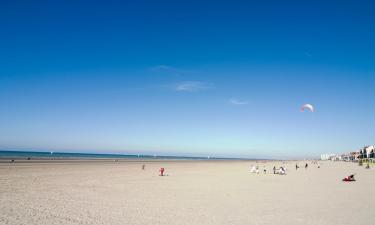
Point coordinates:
pixel 46 157
pixel 107 160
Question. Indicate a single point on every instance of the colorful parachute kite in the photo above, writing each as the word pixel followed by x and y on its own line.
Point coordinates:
pixel 307 106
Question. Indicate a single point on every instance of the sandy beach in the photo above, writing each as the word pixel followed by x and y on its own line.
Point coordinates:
pixel 193 192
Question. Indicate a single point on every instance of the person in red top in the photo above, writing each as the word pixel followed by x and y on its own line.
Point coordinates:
pixel 161 172
pixel 349 178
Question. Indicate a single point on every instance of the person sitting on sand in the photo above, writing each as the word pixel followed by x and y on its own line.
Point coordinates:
pixel 349 178
pixel 282 171
pixel 253 169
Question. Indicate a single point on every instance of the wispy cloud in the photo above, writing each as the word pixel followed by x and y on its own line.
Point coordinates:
pixel 170 70
pixel 235 101
pixel 162 68
pixel 182 86
pixel 192 86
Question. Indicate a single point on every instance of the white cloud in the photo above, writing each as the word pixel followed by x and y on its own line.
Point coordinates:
pixel 192 86
pixel 168 70
pixel 235 101
pixel 162 68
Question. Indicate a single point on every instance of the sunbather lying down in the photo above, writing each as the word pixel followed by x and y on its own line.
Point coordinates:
pixel 349 178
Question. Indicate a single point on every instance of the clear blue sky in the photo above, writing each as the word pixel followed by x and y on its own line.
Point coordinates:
pixel 187 78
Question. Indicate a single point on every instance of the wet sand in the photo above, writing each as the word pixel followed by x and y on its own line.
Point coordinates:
pixel 193 192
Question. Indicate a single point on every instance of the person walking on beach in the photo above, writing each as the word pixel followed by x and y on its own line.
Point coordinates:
pixel 297 166
pixel 161 171
pixel 306 166
pixel 274 169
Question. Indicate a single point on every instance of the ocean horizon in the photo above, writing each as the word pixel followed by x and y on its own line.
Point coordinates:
pixel 79 155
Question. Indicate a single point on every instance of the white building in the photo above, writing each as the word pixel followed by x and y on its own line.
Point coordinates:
pixel 368 149
pixel 327 156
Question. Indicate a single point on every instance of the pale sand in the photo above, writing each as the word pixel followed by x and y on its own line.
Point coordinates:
pixel 207 193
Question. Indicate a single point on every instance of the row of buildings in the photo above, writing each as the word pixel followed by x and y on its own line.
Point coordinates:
pixel 367 152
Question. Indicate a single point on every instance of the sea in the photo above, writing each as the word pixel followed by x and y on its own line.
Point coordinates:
pixel 69 155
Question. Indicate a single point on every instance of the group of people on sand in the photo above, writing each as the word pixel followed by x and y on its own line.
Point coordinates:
pixel 306 166
pixel 281 170
pixel 255 169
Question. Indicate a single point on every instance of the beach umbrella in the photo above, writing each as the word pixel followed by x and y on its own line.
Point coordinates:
pixel 307 106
